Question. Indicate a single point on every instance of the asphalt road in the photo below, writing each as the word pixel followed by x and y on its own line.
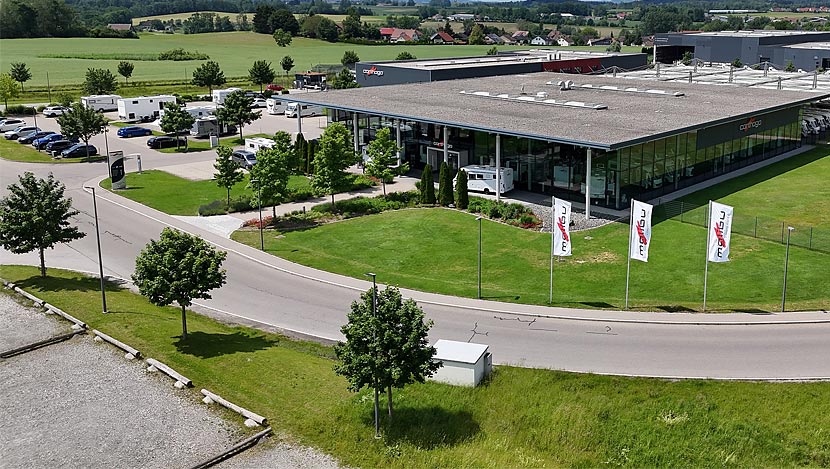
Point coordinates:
pixel 269 290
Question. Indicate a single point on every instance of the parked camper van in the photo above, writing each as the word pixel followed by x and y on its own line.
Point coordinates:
pixel 306 110
pixel 275 106
pixel 258 143
pixel 210 125
pixel 218 96
pixel 101 102
pixel 483 179
pixel 143 108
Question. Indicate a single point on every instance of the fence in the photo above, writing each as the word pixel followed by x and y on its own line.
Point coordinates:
pixel 809 237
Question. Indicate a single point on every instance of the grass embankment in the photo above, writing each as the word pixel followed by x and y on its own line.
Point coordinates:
pixel 520 418
pixel 13 151
pixel 437 250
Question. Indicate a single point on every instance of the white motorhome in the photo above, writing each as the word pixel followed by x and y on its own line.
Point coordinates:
pixel 210 125
pixel 483 179
pixel 143 108
pixel 305 110
pixel 218 96
pixel 275 106
pixel 258 143
pixel 101 102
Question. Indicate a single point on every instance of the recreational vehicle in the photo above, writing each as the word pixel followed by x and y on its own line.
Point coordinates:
pixel 306 110
pixel 101 102
pixel 210 125
pixel 275 106
pixel 483 179
pixel 143 108
pixel 258 143
pixel 218 96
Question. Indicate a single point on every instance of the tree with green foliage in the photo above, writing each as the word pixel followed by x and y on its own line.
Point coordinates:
pixel 615 46
pixel 427 186
pixel 462 198
pixel 228 173
pixel 35 216
pixel 83 123
pixel 311 151
pixel 99 81
pixel 261 73
pixel 21 73
pixel 9 88
pixel 387 344
pixel 349 58
pixel 273 169
pixel 287 63
pixel 237 110
pixel 790 67
pixel 444 185
pixel 687 58
pixel 177 120
pixel 178 267
pixel 382 152
pixel 334 155
pixel 65 99
pixel 282 38
pixel 405 55
pixel 493 51
pixel 476 35
pixel 208 74
pixel 125 69
pixel 283 19
pixel 300 151
pixel 344 80
pixel 737 63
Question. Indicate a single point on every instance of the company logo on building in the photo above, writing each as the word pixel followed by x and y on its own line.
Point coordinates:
pixel 372 71
pixel 752 123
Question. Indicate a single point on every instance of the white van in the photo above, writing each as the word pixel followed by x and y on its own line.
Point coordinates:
pixel 258 143
pixel 483 179
pixel 275 106
pixel 101 102
pixel 305 110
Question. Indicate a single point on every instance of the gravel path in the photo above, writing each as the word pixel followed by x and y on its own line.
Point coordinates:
pixel 17 321
pixel 578 221
pixel 279 455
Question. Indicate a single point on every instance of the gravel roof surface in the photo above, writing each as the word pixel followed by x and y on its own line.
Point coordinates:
pixel 17 322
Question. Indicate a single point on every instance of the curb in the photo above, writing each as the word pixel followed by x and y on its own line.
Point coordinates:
pixel 181 380
pixel 131 352
pixel 252 419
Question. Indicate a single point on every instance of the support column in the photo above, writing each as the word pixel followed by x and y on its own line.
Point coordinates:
pixel 498 167
pixel 446 145
pixel 588 185
pixel 400 147
pixel 355 130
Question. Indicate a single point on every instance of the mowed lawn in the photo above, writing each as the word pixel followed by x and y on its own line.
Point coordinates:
pixel 14 151
pixel 519 418
pixel 436 250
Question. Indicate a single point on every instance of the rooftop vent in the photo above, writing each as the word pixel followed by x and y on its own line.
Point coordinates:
pixel 540 98
pixel 589 86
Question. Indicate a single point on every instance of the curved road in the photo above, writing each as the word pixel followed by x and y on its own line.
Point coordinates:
pixel 271 291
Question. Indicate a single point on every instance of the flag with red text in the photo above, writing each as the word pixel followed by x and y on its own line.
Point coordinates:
pixel 561 228
pixel 720 232
pixel 640 238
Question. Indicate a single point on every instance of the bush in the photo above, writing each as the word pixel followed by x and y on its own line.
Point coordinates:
pixel 494 211
pixel 267 93
pixel 19 110
pixel 285 91
pixel 181 54
pixel 241 204
pixel 408 199
pixel 217 207
pixel 40 108
pixel 302 194
pixel 365 205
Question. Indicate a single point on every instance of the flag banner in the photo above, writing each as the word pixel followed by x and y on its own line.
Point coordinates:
pixel 720 232
pixel 640 231
pixel 561 228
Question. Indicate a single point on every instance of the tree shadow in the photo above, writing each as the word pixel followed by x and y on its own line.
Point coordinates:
pixel 78 283
pixel 675 309
pixel 597 304
pixel 501 297
pixel 209 345
pixel 752 311
pixel 429 427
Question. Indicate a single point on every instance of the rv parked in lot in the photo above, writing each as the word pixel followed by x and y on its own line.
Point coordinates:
pixel 275 106
pixel 483 179
pixel 218 96
pixel 143 108
pixel 207 126
pixel 304 109
pixel 101 102
pixel 258 143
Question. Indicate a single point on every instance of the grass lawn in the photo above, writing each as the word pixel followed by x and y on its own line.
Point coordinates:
pixel 13 151
pixel 178 196
pixel 201 144
pixel 436 250
pixel 520 418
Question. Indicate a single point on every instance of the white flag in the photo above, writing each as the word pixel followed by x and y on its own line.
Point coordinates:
pixel 720 232
pixel 561 228
pixel 640 237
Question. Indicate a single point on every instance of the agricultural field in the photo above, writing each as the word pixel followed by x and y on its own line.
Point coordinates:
pixel 184 16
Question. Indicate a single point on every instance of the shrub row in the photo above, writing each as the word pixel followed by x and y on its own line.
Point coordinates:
pixel 181 54
pixel 19 110
pixel 513 213
pixel 368 205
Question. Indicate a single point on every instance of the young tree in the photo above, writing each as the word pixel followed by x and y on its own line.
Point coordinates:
pixel 178 267
pixel 125 69
pixel 209 74
pixel 261 73
pixel 273 169
pixel 386 344
pixel 300 151
pixel 444 185
pixel 176 120
pixel 382 153
pixel 790 67
pixel 35 216
pixel 227 173
pixel 462 198
pixel 334 155
pixel 493 51
pixel 344 80
pixel 405 55
pixel 9 88
pixel 20 72
pixel 282 38
pixel 237 110
pixel 427 186
pixel 476 35
pixel 99 81
pixel 82 122
pixel 349 58
pixel 287 63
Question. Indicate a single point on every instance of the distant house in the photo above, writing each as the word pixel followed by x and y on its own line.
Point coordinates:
pixel 437 17
pixel 508 40
pixel 566 15
pixel 559 39
pixel 493 39
pixel 120 26
pixel 521 37
pixel 648 41
pixel 441 38
pixel 461 37
pixel 540 41
pixel 605 41
pixel 395 35
pixel 461 17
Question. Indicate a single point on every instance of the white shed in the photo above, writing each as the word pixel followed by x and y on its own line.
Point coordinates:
pixel 465 364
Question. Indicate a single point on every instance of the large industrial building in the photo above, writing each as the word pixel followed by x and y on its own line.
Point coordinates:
pixel 807 50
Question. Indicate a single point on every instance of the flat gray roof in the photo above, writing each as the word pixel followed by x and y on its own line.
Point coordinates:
pixel 748 33
pixel 615 119
pixel 514 57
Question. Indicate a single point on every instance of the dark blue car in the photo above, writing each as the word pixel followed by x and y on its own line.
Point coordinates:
pixel 134 131
pixel 40 143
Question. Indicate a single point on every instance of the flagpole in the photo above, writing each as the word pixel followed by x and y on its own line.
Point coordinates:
pixel 628 254
pixel 552 226
pixel 706 270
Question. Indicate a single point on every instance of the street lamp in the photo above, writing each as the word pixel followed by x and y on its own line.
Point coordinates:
pixel 259 202
pixel 479 256
pixel 375 315
pixel 786 263
pixel 100 261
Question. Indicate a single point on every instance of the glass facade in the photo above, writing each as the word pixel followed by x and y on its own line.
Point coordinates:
pixel 644 171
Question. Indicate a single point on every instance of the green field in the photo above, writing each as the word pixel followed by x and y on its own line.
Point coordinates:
pixel 436 250
pixel 13 151
pixel 519 418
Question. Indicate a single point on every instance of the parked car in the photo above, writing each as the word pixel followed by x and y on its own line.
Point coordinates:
pixel 31 137
pixel 134 131
pixel 258 102
pixel 244 158
pixel 273 87
pixel 20 130
pixel 55 111
pixel 40 143
pixel 253 94
pixel 79 150
pixel 11 124
pixel 163 142
pixel 55 148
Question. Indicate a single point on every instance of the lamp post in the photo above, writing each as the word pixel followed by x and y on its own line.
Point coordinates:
pixel 98 239
pixel 259 203
pixel 375 316
pixel 786 263
pixel 479 256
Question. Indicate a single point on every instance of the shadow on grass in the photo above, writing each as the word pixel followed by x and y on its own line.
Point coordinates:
pixel 675 309
pixel 501 297
pixel 78 283
pixel 752 311
pixel 209 345
pixel 429 427
pixel 597 304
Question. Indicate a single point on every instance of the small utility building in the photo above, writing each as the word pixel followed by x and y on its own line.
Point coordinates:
pixel 465 364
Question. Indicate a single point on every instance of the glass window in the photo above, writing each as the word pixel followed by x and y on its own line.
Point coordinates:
pixel 648 165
